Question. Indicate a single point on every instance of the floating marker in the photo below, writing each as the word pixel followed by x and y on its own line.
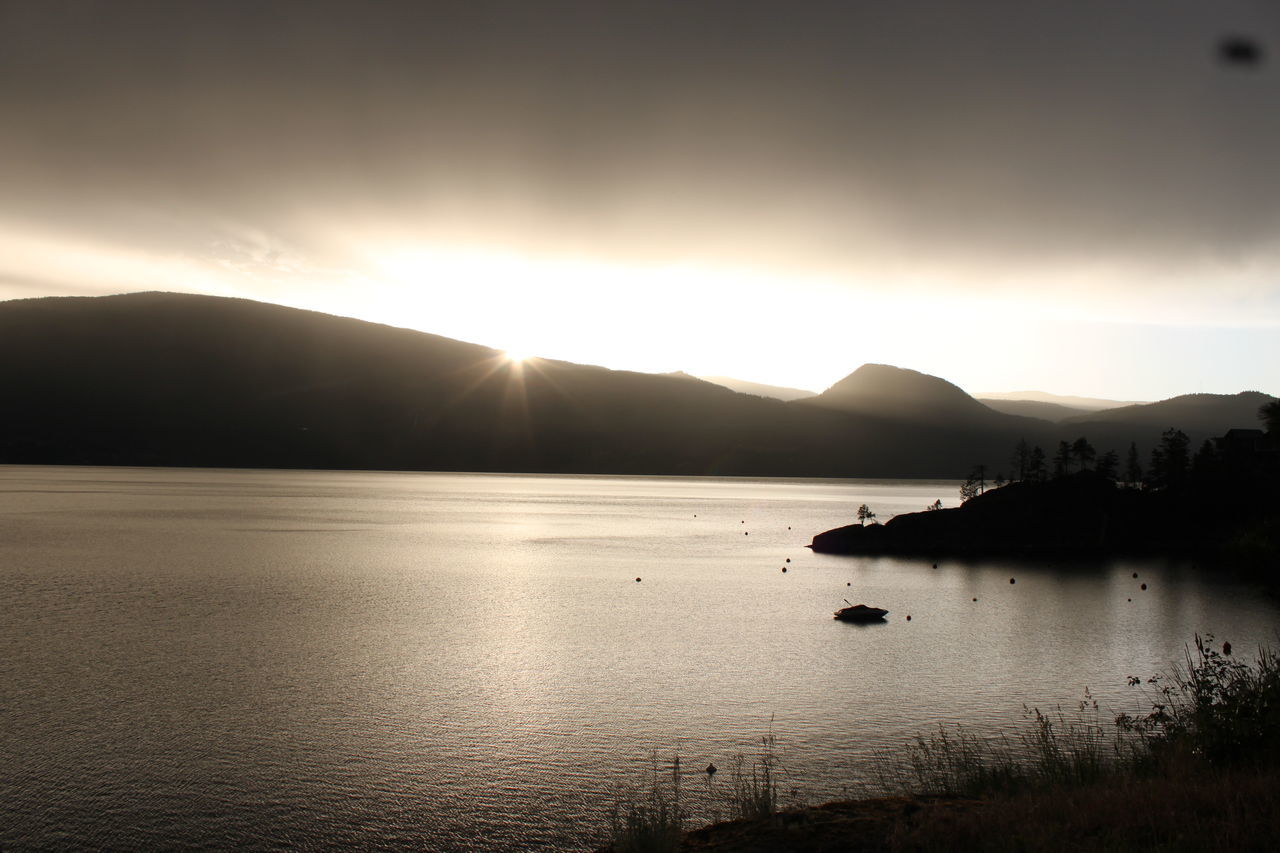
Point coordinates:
pixel 1011 580
pixel 784 570
pixel 908 617
pixel 975 599
pixel 848 583
pixel 935 565
pixel 1144 586
pixel 637 580
pixel 1135 574
pixel 788 559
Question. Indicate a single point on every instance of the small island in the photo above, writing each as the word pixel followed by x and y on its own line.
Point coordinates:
pixel 1223 503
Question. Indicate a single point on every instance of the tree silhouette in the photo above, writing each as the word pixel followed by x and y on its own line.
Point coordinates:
pixel 1083 452
pixel 1062 460
pixel 1109 465
pixel 1169 460
pixel 976 484
pixel 865 514
pixel 1132 467
pixel 1021 460
pixel 1036 467
pixel 1206 463
pixel 1270 415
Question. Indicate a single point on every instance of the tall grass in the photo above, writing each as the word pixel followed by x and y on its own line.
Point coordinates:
pixel 650 817
pixel 1212 710
pixel 1055 748
pixel 754 791
pixel 650 820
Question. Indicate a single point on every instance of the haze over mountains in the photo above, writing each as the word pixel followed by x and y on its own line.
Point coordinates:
pixel 179 379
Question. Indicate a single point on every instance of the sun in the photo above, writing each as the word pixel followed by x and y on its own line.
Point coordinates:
pixel 514 357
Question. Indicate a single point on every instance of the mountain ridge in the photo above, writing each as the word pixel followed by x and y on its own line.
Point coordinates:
pixel 184 379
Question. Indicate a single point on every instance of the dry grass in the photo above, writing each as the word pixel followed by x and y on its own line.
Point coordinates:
pixel 1221 811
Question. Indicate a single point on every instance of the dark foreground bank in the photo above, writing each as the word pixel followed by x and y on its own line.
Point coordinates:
pixel 1220 811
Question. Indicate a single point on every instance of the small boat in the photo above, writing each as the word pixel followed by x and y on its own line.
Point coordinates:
pixel 860 613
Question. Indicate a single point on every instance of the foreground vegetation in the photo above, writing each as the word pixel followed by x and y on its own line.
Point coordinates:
pixel 1198 770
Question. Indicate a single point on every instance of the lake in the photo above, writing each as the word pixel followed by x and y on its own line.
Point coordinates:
pixel 281 659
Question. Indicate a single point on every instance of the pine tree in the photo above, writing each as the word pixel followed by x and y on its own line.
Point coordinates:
pixel 1170 460
pixel 1062 460
pixel 1109 465
pixel 1036 468
pixel 1132 468
pixel 1021 460
pixel 1083 452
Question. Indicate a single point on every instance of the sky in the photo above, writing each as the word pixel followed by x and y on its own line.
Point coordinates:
pixel 1077 197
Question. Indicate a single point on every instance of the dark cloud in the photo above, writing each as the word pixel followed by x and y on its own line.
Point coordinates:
pixel 980 131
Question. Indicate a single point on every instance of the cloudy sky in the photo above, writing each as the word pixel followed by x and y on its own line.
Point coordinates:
pixel 1080 197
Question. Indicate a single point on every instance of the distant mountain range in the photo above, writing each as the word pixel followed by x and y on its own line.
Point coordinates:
pixel 777 392
pixel 180 379
pixel 1084 404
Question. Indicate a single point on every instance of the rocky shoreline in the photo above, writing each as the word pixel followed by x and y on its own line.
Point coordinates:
pixel 1080 515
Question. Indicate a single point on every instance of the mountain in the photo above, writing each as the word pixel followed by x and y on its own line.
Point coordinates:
pixel 777 392
pixel 895 393
pixel 1032 409
pixel 1088 404
pixel 1189 412
pixel 930 415
pixel 181 379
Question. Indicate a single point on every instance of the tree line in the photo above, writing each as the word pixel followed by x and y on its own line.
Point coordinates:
pixel 1171 465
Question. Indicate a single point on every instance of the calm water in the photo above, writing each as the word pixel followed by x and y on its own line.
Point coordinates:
pixel 265 659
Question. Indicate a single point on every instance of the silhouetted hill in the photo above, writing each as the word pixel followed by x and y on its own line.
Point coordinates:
pixel 1200 416
pixel 884 391
pixel 179 379
pixel 1032 409
pixel 777 392
pixel 1206 413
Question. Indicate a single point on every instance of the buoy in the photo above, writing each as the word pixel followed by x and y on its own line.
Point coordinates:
pixel 1130 599
pixel 1144 586
pixel 788 559
pixel 1011 580
pixel 637 580
pixel 1135 574
pixel 935 565
pixel 975 599
pixel 848 583
pixel 908 617
pixel 745 533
